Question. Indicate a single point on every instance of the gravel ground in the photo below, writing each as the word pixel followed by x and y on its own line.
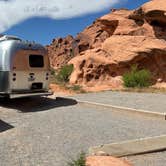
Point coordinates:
pixel 145 101
pixel 49 132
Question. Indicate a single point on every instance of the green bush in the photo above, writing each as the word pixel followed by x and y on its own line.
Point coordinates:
pixel 137 78
pixel 76 88
pixel 52 70
pixel 64 73
pixel 80 161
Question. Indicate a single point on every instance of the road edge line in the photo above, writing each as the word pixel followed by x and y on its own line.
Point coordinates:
pixel 126 109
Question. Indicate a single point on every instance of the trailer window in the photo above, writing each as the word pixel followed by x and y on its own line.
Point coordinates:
pixel 36 61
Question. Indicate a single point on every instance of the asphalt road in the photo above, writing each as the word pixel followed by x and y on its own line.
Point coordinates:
pixel 42 131
pixel 145 101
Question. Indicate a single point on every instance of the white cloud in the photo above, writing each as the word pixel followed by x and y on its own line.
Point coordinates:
pixel 15 11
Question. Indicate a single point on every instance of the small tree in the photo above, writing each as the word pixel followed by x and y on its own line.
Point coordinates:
pixel 64 73
pixel 137 78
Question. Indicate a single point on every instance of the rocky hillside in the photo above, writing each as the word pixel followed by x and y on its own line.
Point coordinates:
pixel 108 48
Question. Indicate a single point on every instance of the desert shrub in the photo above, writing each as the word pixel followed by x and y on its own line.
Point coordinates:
pixel 52 71
pixel 137 78
pixel 64 73
pixel 80 161
pixel 76 87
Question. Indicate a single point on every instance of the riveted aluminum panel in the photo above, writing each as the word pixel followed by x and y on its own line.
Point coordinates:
pixel 9 48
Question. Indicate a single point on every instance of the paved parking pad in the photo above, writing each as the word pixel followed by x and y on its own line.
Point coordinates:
pixel 143 101
pixel 53 134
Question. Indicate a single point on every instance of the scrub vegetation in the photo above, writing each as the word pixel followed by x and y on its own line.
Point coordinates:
pixel 80 161
pixel 76 88
pixel 62 75
pixel 137 78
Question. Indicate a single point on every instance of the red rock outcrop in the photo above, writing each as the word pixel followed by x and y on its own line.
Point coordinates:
pixel 61 51
pixel 105 161
pixel 108 48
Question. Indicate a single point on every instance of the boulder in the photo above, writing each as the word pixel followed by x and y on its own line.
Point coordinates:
pixel 105 161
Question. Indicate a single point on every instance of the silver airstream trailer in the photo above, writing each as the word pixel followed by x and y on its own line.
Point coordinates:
pixel 24 68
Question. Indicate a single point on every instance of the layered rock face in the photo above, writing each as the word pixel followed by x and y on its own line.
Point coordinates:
pixel 61 51
pixel 108 48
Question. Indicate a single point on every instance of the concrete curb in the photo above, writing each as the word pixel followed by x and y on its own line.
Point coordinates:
pixel 126 109
pixel 133 147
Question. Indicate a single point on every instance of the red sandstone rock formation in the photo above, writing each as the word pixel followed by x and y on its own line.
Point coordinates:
pixel 108 48
pixel 105 161
pixel 61 51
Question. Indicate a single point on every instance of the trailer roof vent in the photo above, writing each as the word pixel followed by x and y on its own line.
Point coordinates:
pixel 9 37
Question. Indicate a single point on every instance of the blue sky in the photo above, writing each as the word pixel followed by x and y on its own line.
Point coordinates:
pixel 43 30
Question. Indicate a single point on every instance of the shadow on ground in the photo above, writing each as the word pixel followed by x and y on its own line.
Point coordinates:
pixel 5 126
pixel 36 104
